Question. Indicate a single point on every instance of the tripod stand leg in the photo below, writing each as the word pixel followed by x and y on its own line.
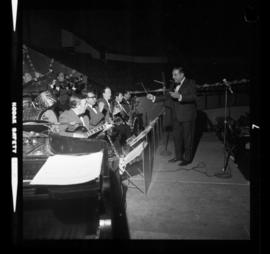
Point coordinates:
pixel 140 172
pixel 226 173
pixel 228 157
pixel 128 178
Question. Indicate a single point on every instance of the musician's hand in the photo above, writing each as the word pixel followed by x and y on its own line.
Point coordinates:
pixel 107 127
pixel 175 95
pixel 101 106
pixel 150 96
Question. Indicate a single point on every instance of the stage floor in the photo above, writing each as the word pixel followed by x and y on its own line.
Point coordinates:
pixel 185 203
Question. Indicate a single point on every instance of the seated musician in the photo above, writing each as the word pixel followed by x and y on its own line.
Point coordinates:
pixel 92 111
pixel 119 111
pixel 105 105
pixel 126 101
pixel 42 108
pixel 61 91
pixel 135 118
pixel 46 102
pixel 74 117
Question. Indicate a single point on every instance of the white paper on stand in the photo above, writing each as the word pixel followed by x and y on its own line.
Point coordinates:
pixel 135 152
pixel 69 169
pixel 140 136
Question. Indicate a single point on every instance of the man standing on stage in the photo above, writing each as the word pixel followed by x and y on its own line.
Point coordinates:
pixel 182 98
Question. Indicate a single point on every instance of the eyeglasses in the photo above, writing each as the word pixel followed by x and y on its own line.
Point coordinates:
pixel 91 97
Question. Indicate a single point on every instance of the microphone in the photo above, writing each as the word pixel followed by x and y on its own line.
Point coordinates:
pixel 226 83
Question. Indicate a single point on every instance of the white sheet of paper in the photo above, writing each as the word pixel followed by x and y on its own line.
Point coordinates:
pixel 135 152
pixel 140 136
pixel 69 169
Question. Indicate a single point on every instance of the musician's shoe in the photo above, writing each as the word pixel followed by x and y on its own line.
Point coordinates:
pixel 174 160
pixel 184 163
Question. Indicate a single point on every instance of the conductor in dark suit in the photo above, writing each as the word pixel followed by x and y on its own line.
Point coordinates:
pixel 182 100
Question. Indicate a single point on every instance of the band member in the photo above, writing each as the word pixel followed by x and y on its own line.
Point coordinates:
pixel 60 89
pixel 93 112
pixel 123 130
pixel 27 78
pixel 41 108
pixel 46 103
pixel 74 117
pixel 105 105
pixel 118 108
pixel 135 118
pixel 183 102
pixel 126 102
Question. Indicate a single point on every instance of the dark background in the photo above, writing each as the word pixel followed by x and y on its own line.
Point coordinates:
pixel 211 39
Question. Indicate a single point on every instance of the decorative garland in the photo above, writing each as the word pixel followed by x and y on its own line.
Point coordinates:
pixel 26 54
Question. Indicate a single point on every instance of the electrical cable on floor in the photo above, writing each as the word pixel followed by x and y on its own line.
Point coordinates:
pixel 195 168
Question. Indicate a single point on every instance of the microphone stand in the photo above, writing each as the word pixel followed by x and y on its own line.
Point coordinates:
pixel 226 171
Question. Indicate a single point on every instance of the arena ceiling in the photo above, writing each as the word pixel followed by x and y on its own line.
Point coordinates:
pixel 188 28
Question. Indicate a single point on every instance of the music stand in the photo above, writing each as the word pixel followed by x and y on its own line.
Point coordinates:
pixel 226 171
pixel 133 154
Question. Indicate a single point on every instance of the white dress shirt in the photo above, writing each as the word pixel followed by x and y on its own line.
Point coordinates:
pixel 177 88
pixel 109 105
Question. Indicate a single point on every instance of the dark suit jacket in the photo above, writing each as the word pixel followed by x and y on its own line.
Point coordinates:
pixel 126 105
pixel 94 118
pixel 123 115
pixel 69 118
pixel 185 110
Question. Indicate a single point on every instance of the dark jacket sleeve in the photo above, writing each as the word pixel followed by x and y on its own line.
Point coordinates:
pixel 162 98
pixel 189 92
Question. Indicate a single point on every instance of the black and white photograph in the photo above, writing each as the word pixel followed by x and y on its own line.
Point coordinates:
pixel 135 120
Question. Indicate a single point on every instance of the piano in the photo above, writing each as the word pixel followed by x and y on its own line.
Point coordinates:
pixel 79 211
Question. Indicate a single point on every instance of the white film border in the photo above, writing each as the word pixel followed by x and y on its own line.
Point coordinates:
pixel 14 181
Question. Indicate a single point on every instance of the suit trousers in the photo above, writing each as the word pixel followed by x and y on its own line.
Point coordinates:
pixel 183 134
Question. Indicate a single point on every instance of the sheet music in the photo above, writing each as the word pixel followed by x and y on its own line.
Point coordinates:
pixel 69 169
pixel 135 152
pixel 141 135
